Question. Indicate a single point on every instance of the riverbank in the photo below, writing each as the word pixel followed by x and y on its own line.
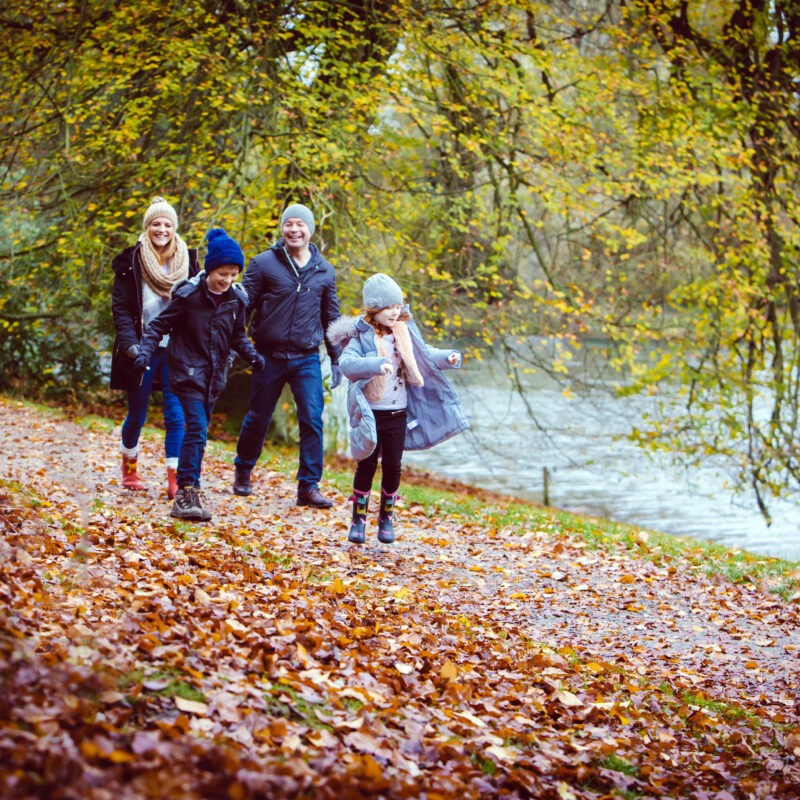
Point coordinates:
pixel 497 649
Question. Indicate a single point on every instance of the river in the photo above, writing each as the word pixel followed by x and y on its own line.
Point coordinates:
pixel 591 470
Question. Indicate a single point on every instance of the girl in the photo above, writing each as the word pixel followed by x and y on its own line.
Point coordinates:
pixel 143 279
pixel 397 398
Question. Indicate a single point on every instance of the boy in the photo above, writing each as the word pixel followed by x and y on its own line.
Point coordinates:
pixel 206 320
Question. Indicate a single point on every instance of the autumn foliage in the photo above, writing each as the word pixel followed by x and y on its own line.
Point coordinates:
pixel 261 656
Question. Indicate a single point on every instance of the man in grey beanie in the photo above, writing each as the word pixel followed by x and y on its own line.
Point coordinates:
pixel 291 291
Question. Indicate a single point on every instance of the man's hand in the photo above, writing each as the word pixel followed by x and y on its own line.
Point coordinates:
pixel 141 362
pixel 258 363
pixel 132 351
pixel 336 375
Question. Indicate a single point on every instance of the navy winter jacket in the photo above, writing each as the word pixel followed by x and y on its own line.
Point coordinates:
pixel 202 335
pixel 291 309
pixel 126 306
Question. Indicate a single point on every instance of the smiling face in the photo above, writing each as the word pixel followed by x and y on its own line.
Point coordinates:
pixel 296 233
pixel 388 316
pixel 219 280
pixel 160 231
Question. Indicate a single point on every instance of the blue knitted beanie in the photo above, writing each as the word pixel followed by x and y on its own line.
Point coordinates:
pixel 222 250
pixel 299 211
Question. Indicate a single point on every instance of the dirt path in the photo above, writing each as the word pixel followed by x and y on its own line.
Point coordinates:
pixel 726 637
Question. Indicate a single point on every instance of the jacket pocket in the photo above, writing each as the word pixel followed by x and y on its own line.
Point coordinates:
pixel 188 377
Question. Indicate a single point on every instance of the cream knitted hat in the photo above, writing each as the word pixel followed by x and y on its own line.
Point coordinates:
pixel 159 207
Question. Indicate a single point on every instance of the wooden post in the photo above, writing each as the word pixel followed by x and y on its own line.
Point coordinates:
pixel 546 490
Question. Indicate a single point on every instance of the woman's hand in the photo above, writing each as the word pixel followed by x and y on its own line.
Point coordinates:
pixel 387 369
pixel 453 358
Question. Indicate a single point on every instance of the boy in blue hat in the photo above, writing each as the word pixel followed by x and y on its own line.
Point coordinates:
pixel 206 320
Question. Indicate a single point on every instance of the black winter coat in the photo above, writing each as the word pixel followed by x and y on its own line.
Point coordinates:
pixel 126 306
pixel 202 335
pixel 291 311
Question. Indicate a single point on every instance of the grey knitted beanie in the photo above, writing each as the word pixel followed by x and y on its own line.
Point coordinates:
pixel 380 291
pixel 302 212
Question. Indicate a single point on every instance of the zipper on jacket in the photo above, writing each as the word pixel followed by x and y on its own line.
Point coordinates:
pixel 294 268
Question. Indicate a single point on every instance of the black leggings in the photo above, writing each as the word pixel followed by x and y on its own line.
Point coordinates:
pixel 391 427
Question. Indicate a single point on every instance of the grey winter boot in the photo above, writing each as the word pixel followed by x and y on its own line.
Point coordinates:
pixel 188 505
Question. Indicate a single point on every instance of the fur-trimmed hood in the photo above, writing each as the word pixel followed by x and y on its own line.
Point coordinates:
pixel 342 330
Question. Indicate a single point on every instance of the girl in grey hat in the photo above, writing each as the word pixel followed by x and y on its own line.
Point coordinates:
pixel 397 397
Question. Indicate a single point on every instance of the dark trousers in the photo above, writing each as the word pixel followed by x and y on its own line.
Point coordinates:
pixel 304 376
pixel 197 413
pixel 139 403
pixel 391 427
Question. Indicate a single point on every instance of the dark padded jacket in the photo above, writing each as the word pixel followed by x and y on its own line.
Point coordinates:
pixel 126 306
pixel 201 337
pixel 291 309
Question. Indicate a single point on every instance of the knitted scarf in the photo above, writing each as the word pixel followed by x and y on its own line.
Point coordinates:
pixel 374 390
pixel 153 272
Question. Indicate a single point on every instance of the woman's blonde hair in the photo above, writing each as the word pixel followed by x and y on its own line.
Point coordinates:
pixel 382 330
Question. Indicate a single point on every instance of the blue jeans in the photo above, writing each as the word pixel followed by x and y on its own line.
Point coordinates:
pixel 198 414
pixel 304 377
pixel 139 403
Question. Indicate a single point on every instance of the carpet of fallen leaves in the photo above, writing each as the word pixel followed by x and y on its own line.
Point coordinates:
pixel 262 656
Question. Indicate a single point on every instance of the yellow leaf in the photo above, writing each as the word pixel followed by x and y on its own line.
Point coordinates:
pixel 449 671
pixel 627 579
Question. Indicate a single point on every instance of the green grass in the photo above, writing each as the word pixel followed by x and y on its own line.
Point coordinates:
pixel 726 710
pixel 617 764
pixel 294 706
pixel 485 765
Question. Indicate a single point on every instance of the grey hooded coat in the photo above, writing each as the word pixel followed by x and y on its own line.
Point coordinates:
pixel 434 412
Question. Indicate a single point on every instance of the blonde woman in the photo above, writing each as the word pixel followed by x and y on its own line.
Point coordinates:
pixel 143 279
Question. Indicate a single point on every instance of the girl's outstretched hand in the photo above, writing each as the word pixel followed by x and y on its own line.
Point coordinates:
pixel 387 369
pixel 453 359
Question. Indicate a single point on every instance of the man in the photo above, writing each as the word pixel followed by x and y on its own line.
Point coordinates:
pixel 291 291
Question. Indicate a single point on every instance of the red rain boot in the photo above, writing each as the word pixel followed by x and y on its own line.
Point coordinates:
pixel 172 483
pixel 130 476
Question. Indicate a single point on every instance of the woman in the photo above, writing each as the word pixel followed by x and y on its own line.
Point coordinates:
pixel 143 279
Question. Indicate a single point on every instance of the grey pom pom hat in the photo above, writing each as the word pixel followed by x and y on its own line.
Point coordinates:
pixel 380 291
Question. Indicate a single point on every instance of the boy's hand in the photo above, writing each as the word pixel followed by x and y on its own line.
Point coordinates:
pixel 258 363
pixel 453 358
pixel 387 369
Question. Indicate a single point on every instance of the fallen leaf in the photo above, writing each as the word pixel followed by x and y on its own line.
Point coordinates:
pixel 191 706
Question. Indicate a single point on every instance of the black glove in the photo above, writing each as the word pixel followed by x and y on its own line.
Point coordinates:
pixel 132 351
pixel 141 362
pixel 336 375
pixel 258 363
